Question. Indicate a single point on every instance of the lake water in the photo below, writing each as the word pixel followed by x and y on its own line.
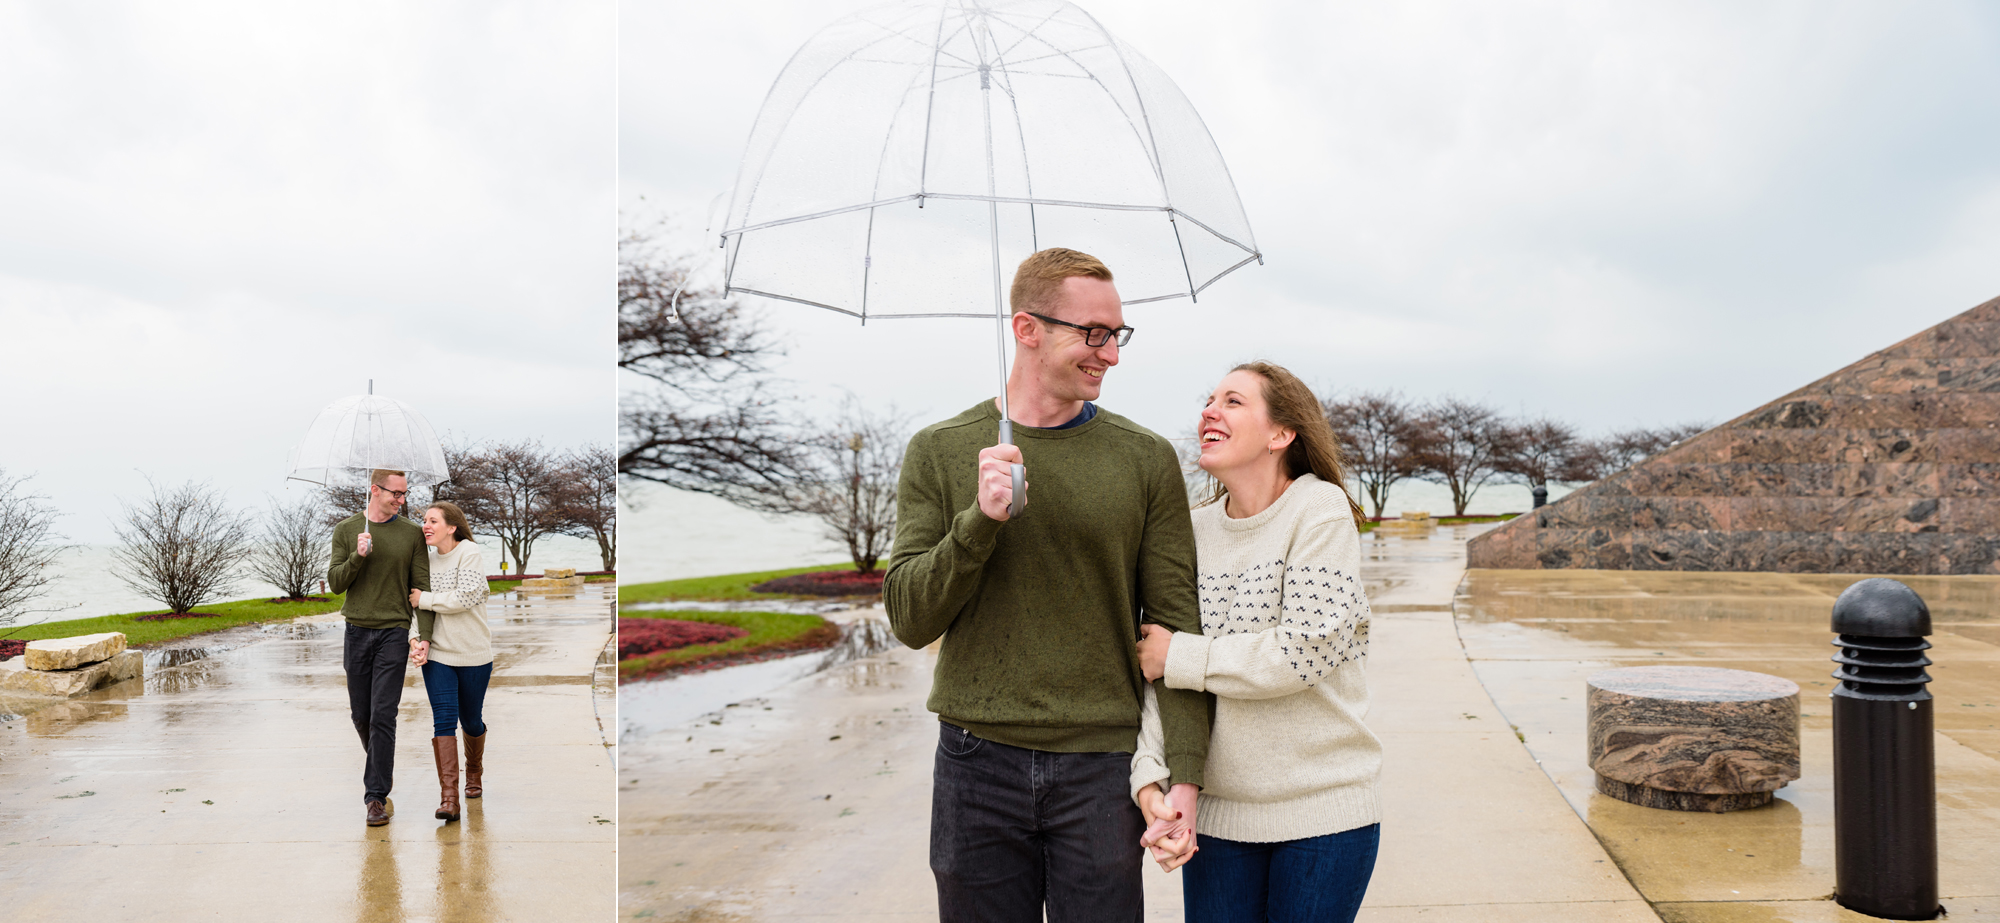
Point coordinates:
pixel 667 534
pixel 85 586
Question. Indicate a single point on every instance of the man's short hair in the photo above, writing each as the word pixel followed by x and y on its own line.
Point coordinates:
pixel 380 476
pixel 1039 279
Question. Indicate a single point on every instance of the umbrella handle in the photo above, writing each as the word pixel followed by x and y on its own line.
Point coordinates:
pixel 1019 501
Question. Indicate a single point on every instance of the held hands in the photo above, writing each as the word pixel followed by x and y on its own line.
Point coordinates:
pixel 420 652
pixel 1153 642
pixel 1169 824
pixel 996 480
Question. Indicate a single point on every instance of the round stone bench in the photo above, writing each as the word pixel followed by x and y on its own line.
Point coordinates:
pixel 1693 738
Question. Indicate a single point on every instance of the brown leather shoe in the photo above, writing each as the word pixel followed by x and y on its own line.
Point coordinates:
pixel 446 751
pixel 379 813
pixel 475 763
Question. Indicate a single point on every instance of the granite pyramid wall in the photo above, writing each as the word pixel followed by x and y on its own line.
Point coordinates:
pixel 1888 466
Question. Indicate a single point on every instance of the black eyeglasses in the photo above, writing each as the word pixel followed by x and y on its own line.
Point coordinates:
pixel 398 494
pixel 1093 337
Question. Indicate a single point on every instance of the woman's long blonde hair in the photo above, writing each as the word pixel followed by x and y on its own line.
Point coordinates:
pixel 1314 446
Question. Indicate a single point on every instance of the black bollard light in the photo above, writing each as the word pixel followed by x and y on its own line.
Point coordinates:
pixel 1541 493
pixel 1884 759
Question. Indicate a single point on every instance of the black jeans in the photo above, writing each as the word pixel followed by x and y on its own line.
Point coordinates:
pixel 375 659
pixel 1013 828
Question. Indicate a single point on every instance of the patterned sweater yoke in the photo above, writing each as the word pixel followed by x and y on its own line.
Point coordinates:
pixel 452 615
pixel 1284 649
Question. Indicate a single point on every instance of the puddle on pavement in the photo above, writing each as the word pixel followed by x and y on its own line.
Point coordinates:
pixel 648 707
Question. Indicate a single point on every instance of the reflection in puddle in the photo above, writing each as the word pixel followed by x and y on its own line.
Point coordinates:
pixel 651 706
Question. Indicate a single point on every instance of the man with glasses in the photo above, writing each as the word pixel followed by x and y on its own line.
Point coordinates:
pixel 1038 686
pixel 377 562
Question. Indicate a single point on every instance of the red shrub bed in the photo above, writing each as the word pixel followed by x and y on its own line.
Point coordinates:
pixel 639 637
pixel 175 615
pixel 826 583
pixel 12 649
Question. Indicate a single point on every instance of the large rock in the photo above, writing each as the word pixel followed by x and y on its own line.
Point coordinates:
pixel 66 683
pixel 1693 738
pixel 70 653
pixel 1883 467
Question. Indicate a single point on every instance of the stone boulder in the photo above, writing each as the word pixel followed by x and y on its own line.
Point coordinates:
pixel 1692 738
pixel 71 653
pixel 65 683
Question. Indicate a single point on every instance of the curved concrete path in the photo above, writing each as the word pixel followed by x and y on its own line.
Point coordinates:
pixel 229 788
pixel 813 802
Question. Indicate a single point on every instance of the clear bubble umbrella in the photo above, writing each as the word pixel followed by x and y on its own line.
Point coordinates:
pixel 909 156
pixel 360 433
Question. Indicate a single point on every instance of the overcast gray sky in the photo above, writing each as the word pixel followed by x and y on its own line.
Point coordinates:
pixel 220 216
pixel 1615 214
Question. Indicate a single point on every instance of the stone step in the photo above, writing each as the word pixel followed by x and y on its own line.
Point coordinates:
pixel 71 653
pixel 65 683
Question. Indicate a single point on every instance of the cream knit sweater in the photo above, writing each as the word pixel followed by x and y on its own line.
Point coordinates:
pixel 1285 638
pixel 460 637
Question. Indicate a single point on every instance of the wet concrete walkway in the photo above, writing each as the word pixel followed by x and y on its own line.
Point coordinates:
pixel 1535 636
pixel 813 801
pixel 229 787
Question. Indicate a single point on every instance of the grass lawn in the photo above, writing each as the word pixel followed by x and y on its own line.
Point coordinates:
pixel 1465 520
pixel 227 615
pixel 769 633
pixel 727 586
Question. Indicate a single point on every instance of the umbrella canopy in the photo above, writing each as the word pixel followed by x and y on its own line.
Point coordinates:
pixel 357 434
pixel 909 155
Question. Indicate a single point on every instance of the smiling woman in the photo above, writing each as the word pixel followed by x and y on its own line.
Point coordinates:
pixel 231 214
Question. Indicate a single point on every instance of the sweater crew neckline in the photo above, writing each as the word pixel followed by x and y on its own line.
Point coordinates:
pixel 1297 487
pixel 1068 430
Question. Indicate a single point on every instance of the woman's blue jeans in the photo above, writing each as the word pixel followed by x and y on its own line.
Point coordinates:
pixel 457 696
pixel 1319 879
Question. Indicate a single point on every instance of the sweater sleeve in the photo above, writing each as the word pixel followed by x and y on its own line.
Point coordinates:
pixel 1167 597
pixel 345 566
pixel 1323 622
pixel 939 555
pixel 1149 756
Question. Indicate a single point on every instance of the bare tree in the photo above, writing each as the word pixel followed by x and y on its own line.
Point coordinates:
pixel 1539 451
pixel 290 554
pixel 27 548
pixel 513 492
pixel 712 422
pixel 587 499
pixel 1624 449
pixel 1461 446
pixel 1187 449
pixel 1382 439
pixel 859 458
pixel 182 547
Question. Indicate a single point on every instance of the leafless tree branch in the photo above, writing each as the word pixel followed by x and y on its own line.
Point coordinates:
pixel 181 546
pixel 28 545
pixel 290 554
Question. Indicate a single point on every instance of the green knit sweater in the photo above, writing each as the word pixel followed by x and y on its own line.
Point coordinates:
pixel 1040 614
pixel 378 586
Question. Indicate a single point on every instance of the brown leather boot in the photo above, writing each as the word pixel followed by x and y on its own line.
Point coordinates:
pixel 379 813
pixel 475 762
pixel 446 751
